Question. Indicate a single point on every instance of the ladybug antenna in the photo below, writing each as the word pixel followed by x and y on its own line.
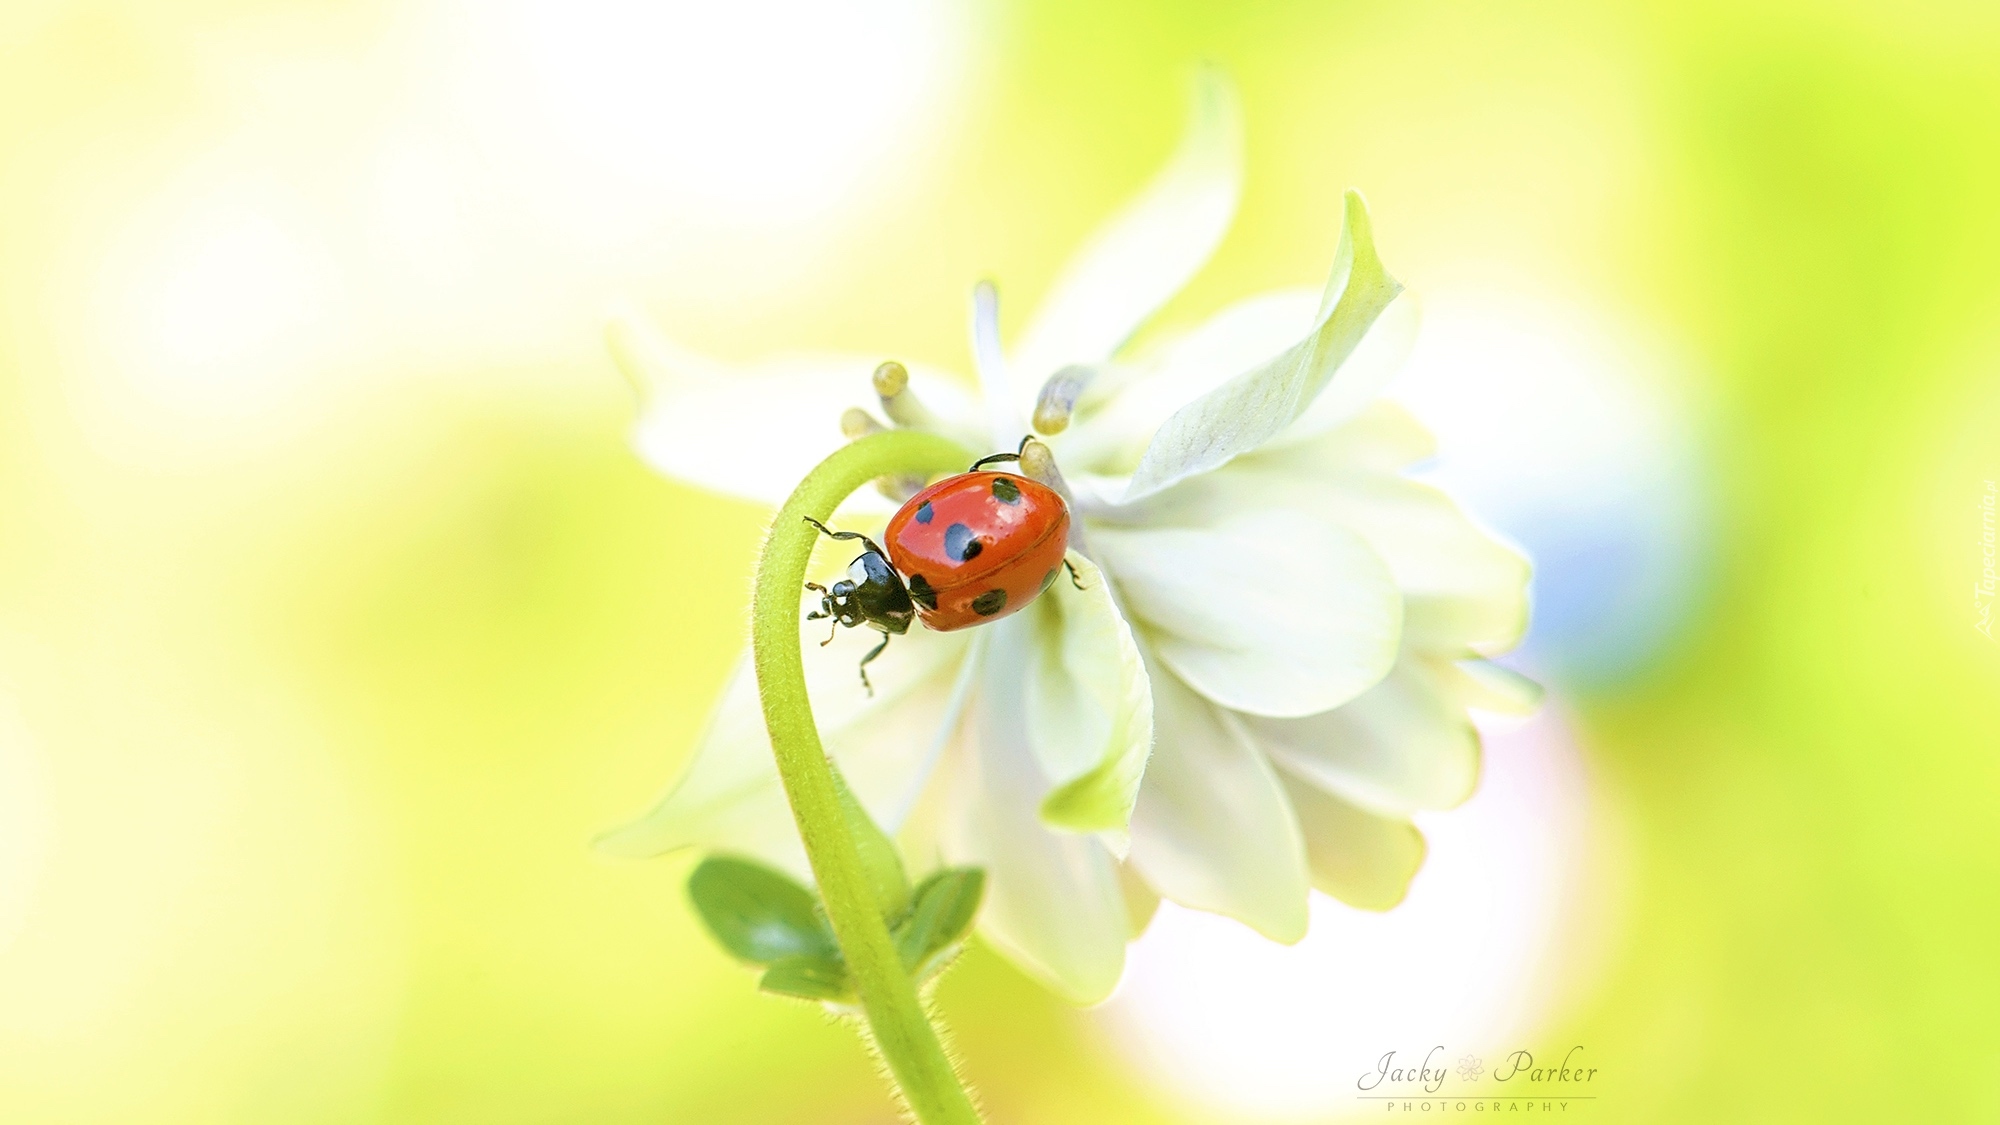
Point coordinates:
pixel 993 457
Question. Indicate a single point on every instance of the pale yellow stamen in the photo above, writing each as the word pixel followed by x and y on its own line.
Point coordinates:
pixel 858 423
pixel 1058 398
pixel 890 379
pixel 892 383
pixel 1038 462
pixel 900 402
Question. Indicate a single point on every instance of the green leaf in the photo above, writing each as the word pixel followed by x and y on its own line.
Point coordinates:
pixel 940 917
pixel 807 977
pixel 1253 407
pixel 758 914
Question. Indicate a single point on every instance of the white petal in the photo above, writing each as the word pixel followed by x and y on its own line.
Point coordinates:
pixel 1376 360
pixel 1089 706
pixel 1053 901
pixel 1252 408
pixel 1362 858
pixel 1490 687
pixel 1403 744
pixel 1463 590
pixel 884 750
pixel 1141 901
pixel 730 799
pixel 937 739
pixel 1145 253
pixel 1273 613
pixel 1004 418
pixel 756 431
pixel 1111 438
pixel 1246 335
pixel 1213 829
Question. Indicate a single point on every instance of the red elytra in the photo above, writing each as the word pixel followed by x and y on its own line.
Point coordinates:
pixel 978 546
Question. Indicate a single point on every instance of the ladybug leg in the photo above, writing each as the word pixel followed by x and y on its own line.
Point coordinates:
pixel 872 654
pixel 1014 456
pixel 832 534
pixel 1073 579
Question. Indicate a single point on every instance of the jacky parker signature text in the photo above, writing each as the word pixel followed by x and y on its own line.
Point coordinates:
pixel 1390 1076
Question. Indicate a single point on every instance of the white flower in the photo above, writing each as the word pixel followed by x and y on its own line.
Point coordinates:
pixel 1284 651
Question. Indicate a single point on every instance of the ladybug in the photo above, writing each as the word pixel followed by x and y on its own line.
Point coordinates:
pixel 969 549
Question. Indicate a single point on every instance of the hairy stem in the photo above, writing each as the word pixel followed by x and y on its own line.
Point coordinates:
pixel 896 1017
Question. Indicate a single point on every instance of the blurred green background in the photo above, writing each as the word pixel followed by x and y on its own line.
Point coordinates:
pixel 336 615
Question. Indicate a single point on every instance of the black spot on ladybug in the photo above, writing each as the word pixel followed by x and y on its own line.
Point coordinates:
pixel 1048 579
pixel 960 543
pixel 921 592
pixel 1006 491
pixel 990 603
pixel 924 512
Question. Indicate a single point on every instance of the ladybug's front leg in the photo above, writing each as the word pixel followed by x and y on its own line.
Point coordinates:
pixel 830 533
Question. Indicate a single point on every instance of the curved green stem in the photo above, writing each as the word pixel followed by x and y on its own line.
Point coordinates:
pixel 896 1017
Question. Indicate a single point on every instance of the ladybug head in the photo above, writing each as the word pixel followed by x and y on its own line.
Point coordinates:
pixel 837 603
pixel 872 594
